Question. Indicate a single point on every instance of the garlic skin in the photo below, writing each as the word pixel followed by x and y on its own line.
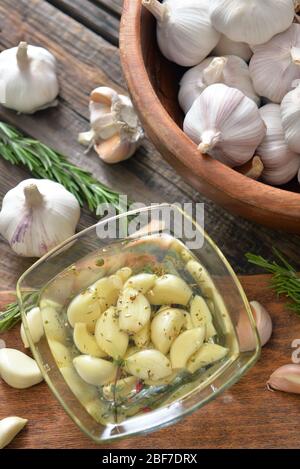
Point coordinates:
pixel 226 46
pixel 264 327
pixel 185 34
pixel 290 117
pixel 37 215
pixel 280 163
pixel 9 428
pixel 116 131
pixel 28 78
pixel 229 70
pixel 18 370
pixel 286 379
pixel 225 124
pixel 251 21
pixel 275 65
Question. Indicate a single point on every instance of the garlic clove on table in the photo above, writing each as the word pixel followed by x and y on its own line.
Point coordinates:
pixel 9 428
pixel 18 370
pixel 185 34
pixel 116 132
pixel 37 215
pixel 225 124
pixel 35 326
pixel 28 78
pixel 286 378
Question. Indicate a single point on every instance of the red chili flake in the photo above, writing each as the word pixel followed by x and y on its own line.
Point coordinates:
pixel 139 386
pixel 146 409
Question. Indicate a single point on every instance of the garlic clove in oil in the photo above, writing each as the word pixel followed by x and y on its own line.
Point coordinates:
pixel 37 215
pixel 251 21
pixel 273 74
pixel 35 326
pixel 229 70
pixel 9 428
pixel 280 163
pixel 225 124
pixel 116 132
pixel 18 370
pixel 184 31
pixel 290 116
pixel 286 378
pixel 94 370
pixel 28 78
pixel 226 46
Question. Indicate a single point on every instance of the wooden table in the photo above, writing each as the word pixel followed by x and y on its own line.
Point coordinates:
pixel 83 35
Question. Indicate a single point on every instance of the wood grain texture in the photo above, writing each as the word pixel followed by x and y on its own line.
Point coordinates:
pixel 246 416
pixel 153 84
pixel 86 60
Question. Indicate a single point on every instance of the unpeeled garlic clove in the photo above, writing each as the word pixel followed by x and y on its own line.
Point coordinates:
pixel 226 46
pixel 35 326
pixel 263 324
pixel 9 428
pixel 18 370
pixel 286 378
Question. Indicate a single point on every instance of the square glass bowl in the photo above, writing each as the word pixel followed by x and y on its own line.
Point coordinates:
pixel 139 239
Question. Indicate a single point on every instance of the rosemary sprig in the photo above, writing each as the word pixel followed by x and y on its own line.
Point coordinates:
pixel 285 280
pixel 45 163
pixel 12 313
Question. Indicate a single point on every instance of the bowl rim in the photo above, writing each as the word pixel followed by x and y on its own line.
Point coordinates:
pixel 255 195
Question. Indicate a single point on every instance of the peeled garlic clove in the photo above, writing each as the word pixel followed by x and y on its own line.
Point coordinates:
pixel 108 289
pixel 272 74
pixel 9 428
pixel 85 341
pixel 165 327
pixel 109 336
pixel 162 381
pixel 201 316
pixel 125 387
pixel 253 169
pixel 201 276
pixel 169 289
pixel 37 215
pixel 141 282
pixel 229 70
pixel 53 326
pixel 125 273
pixel 206 355
pixel 280 163
pixel 226 46
pixel 148 364
pixel 95 371
pixel 264 327
pixel 35 326
pixel 225 124
pixel 134 310
pixel 184 31
pixel 85 307
pixel 286 378
pixel 290 116
pixel 28 78
pixel 60 353
pixel 188 322
pixel 185 345
pixel 251 21
pixel 18 370
pixel 142 337
pixel 84 392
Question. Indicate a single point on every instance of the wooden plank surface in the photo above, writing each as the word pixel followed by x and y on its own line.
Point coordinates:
pixel 246 416
pixel 86 60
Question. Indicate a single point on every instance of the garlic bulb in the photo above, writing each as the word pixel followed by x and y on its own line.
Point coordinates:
pixel 231 71
pixel 275 65
pixel 37 215
pixel 226 46
pixel 251 21
pixel 184 31
pixel 225 124
pixel 280 163
pixel 9 428
pixel 290 116
pixel 286 378
pixel 18 370
pixel 28 78
pixel 116 132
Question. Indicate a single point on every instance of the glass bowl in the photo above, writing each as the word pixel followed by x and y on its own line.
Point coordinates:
pixel 134 239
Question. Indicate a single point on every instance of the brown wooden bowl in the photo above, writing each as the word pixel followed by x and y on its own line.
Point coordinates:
pixel 153 84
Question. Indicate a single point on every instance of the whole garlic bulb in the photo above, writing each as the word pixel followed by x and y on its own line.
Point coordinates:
pixel 275 65
pixel 290 116
pixel 37 215
pixel 28 80
pixel 230 70
pixel 185 34
pixel 116 131
pixel 225 124
pixel 251 21
pixel 226 46
pixel 280 163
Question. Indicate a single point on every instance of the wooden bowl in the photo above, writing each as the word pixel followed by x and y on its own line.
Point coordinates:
pixel 153 84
